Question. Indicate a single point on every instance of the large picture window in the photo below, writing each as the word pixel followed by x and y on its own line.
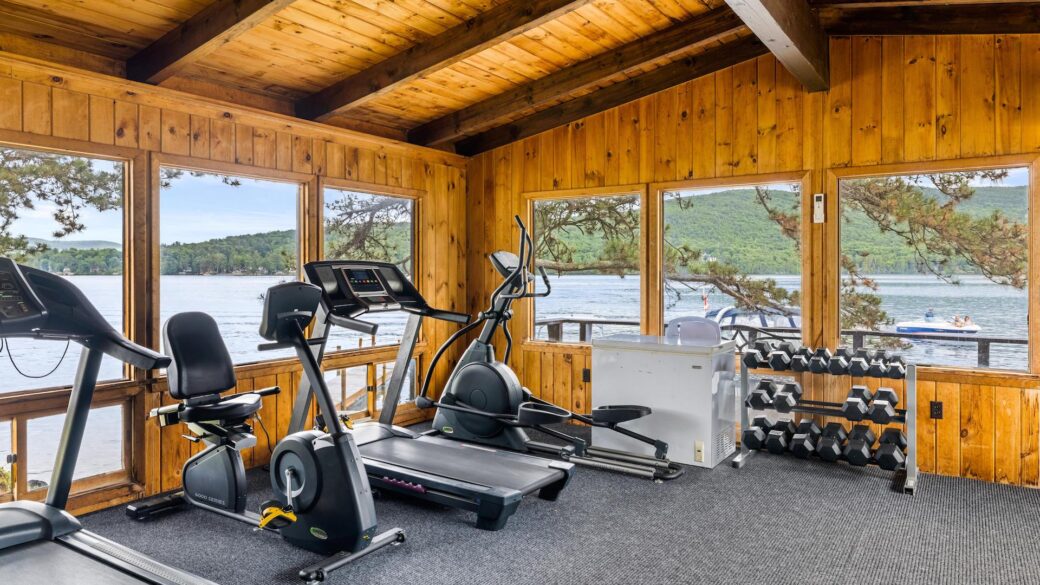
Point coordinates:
pixel 935 266
pixel 368 226
pixel 590 246
pixel 732 254
pixel 224 240
pixel 62 214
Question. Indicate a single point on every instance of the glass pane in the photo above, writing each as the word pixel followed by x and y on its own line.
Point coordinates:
pixel 590 248
pixel 6 449
pixel 732 255
pixel 102 450
pixel 349 387
pixel 383 372
pixel 62 214
pixel 935 266
pixel 365 226
pixel 223 260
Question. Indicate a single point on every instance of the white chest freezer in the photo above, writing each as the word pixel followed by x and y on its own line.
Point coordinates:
pixel 689 388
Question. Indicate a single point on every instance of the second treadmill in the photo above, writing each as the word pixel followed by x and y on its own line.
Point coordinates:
pixel 487 481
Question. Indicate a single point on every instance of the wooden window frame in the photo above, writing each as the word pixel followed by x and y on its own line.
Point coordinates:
pixel 830 258
pixel 530 198
pixel 802 178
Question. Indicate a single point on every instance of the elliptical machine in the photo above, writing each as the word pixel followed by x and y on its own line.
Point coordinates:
pixel 323 502
pixel 484 401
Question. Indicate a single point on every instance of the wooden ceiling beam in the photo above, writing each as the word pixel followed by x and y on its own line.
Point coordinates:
pixel 793 34
pixel 659 79
pixel 990 18
pixel 456 44
pixel 540 92
pixel 212 27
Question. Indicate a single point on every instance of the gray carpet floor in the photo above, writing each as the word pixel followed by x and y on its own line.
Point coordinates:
pixel 779 520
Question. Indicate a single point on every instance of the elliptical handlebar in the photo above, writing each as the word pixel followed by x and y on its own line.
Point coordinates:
pixel 524 260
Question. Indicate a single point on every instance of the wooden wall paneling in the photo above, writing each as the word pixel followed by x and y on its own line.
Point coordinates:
pixel 724 155
pixel 562 143
pixel 36 109
pixel 200 139
pixel 611 146
pixel 892 119
pixel 532 166
pixel 647 115
pixel 379 168
pixel 563 393
pixel 838 121
pixel 302 156
pixel 767 113
pixel 243 144
pixel 948 63
pixel 919 98
pixel 866 100
pixel 1030 442
pixel 595 151
pixel 222 140
pixel 1031 93
pixel 11 97
pixel 702 127
pixel 265 148
pixel 628 144
pixel 745 110
pixel 664 125
pixel 366 165
pixel 976 431
pixel 1007 431
pixel 102 120
pixel 150 127
pixel 926 439
pixel 335 159
pixel 283 151
pixel 71 114
pixel 978 106
pixel 1008 86
pixel 176 132
pixel 125 124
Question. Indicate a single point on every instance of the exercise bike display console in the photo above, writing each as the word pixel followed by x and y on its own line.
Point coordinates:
pixel 490 482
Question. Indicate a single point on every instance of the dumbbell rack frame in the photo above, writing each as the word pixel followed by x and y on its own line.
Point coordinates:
pixel 909 416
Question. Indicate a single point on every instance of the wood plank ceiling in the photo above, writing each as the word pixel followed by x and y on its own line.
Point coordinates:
pixel 436 72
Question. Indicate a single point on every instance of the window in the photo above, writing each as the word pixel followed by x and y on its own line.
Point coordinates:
pixel 365 226
pixel 6 449
pixel 102 450
pixel 381 378
pixel 732 254
pixel 349 387
pixel 590 248
pixel 62 214
pixel 934 266
pixel 224 241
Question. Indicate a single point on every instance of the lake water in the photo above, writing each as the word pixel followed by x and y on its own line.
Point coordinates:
pixel 235 302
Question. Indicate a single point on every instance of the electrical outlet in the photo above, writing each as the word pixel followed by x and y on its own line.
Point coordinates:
pixel 698 451
pixel 936 410
pixel 586 375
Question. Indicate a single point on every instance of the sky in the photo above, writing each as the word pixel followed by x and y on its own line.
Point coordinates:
pixel 199 208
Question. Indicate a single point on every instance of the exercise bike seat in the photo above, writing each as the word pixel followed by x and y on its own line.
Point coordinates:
pixel 229 409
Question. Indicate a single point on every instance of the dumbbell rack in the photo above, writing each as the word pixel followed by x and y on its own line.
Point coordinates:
pixel 907 416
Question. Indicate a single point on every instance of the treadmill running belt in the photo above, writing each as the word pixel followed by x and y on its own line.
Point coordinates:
pixel 461 462
pixel 46 561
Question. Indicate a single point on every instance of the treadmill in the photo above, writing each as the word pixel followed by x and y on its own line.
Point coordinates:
pixel 40 542
pixel 480 479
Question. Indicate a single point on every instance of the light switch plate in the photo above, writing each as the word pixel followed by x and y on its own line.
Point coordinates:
pixel 818 214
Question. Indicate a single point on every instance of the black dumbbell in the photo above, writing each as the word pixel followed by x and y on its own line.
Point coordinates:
pixel 752 359
pixel 896 368
pixel 832 443
pixel 807 435
pixel 855 407
pixel 800 359
pixel 754 437
pixel 779 437
pixel 878 368
pixel 787 397
pixel 761 397
pixel 890 455
pixel 861 442
pixel 838 365
pixel 819 361
pixel 859 365
pixel 882 410
pixel 779 360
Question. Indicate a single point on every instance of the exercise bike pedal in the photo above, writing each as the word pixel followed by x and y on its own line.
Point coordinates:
pixel 274 516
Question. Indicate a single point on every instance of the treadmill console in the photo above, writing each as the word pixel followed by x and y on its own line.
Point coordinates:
pixel 354 287
pixel 18 302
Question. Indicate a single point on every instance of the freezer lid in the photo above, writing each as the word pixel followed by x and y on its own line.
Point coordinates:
pixel 658 343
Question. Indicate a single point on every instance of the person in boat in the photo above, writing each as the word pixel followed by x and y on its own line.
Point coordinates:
pixel 929 315
pixel 957 321
pixel 967 321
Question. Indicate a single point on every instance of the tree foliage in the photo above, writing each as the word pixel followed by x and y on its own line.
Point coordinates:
pixel 373 227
